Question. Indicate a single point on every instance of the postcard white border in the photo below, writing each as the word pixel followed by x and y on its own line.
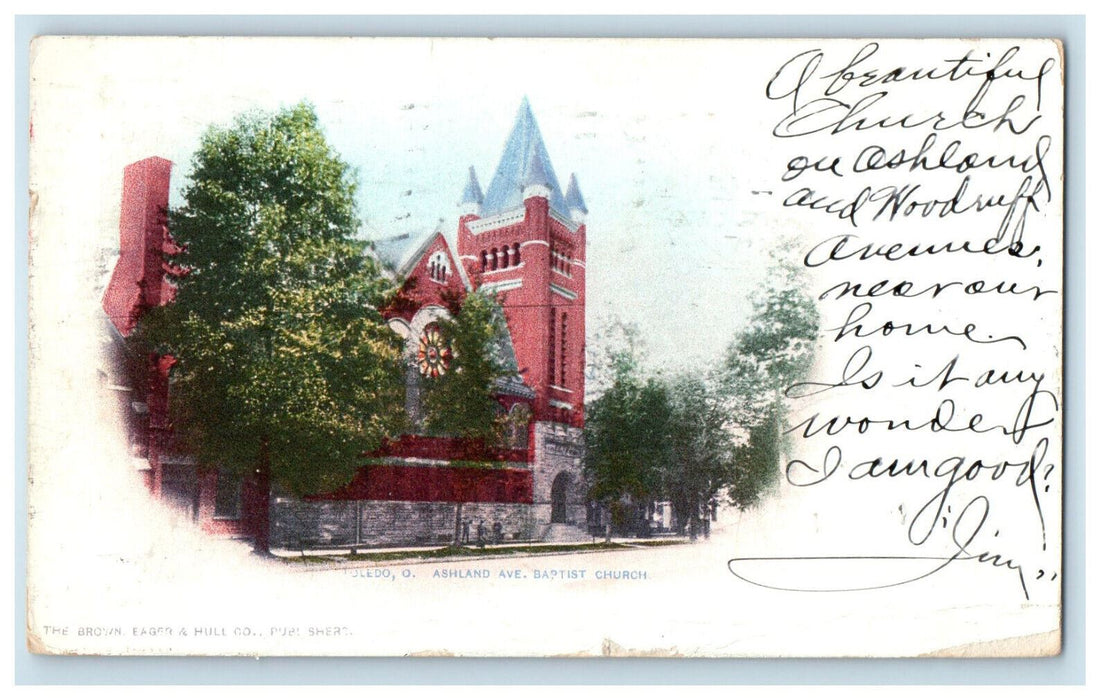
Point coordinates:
pixel 1068 668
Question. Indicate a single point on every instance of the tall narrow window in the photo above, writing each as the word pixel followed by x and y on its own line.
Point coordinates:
pixel 438 267
pixel 550 360
pixel 565 325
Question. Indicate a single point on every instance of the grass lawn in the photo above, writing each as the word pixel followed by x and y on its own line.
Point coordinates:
pixel 473 552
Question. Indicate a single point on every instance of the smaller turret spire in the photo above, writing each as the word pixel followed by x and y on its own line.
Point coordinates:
pixel 574 200
pixel 472 197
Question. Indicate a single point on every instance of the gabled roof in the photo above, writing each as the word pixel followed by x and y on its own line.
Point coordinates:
pixel 394 251
pixel 524 151
pixel 400 254
pixel 506 352
pixel 504 348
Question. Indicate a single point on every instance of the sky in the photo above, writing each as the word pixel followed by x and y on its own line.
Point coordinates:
pixel 666 144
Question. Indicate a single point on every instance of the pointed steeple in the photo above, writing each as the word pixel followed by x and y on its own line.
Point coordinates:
pixel 536 174
pixel 472 197
pixel 535 182
pixel 574 200
pixel 524 152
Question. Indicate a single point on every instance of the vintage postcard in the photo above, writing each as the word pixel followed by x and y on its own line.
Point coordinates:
pixel 513 347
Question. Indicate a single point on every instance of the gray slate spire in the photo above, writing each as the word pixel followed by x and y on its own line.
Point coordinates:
pixel 536 174
pixel 574 200
pixel 523 147
pixel 472 193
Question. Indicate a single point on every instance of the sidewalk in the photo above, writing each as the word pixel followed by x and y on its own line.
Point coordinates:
pixel 336 557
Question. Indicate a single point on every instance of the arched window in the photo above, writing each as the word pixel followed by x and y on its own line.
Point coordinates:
pixel 517 426
pixel 437 267
pixel 506 259
pixel 560 261
pixel 559 495
pixel 515 254
pixel 484 260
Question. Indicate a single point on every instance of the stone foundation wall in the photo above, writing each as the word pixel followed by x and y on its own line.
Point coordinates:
pixel 559 448
pixel 299 524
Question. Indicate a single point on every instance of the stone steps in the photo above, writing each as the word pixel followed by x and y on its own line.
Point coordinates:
pixel 561 532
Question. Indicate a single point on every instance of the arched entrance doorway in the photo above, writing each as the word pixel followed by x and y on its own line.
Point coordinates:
pixel 558 493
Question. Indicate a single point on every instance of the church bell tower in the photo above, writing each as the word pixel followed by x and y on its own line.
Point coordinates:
pixel 524 240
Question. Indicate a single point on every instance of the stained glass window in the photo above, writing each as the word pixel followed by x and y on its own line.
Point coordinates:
pixel 434 353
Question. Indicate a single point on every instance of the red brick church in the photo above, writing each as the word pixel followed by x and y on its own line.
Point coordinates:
pixel 522 238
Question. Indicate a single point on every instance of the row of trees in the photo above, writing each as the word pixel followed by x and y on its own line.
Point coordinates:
pixel 285 370
pixel 691 439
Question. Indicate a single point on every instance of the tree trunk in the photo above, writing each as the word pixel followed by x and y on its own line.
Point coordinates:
pixel 606 519
pixel 261 500
pixel 457 524
pixel 694 518
pixel 680 514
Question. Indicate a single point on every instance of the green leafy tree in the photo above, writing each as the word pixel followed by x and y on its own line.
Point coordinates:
pixel 773 352
pixel 699 461
pixel 627 429
pixel 755 463
pixel 461 402
pixel 285 370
